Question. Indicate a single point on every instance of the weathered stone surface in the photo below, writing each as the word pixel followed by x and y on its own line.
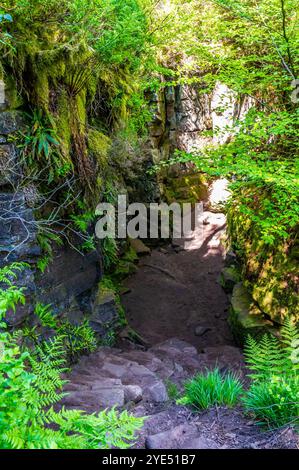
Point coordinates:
pixel 11 121
pixel 9 169
pixel 245 318
pixel 133 393
pixel 174 347
pixel 229 277
pixel 199 443
pixel 157 392
pixel 70 275
pixel 115 370
pixel 100 398
pixel 184 436
pixel 18 230
pixel 104 310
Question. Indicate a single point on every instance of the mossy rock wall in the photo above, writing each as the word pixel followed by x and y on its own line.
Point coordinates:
pixel 270 272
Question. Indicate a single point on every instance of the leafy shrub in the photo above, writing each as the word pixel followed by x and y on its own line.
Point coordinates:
pixel 274 402
pixel 31 383
pixel 273 397
pixel 78 339
pixel 26 408
pixel 207 390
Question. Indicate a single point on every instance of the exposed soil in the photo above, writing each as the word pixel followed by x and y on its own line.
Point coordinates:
pixel 175 302
pixel 176 291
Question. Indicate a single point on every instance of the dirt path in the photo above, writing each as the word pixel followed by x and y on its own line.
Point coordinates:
pixel 174 295
pixel 176 291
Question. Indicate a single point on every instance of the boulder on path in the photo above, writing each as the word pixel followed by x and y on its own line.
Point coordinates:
pixel 184 436
pixel 139 247
pixel 229 277
pixel 133 393
pixel 104 394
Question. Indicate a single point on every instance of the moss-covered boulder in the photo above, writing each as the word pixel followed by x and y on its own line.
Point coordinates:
pixel 229 277
pixel 270 271
pixel 104 310
pixel 139 247
pixel 187 188
pixel 245 318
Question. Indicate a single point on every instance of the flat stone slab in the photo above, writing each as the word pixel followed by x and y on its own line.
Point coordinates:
pixel 184 436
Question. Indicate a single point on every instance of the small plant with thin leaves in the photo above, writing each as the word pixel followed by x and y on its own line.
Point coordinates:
pixel 209 389
pixel 40 145
pixel 172 389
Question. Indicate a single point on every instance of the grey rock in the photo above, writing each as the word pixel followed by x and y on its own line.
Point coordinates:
pixel 10 171
pixel 174 347
pixel 199 443
pixel 99 398
pixel 245 318
pixel 201 330
pixel 133 393
pixel 173 438
pixel 157 392
pixel 70 276
pixel 115 370
pixel 139 247
pixel 104 311
pixel 229 277
pixel 11 121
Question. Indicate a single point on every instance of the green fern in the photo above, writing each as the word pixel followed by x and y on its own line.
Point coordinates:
pixel 10 295
pixel 45 315
pixel 78 339
pixel 48 363
pixel 273 396
pixel 30 385
pixel 270 356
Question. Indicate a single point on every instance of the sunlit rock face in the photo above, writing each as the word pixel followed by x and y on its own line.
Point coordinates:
pixel 218 193
pixel 187 119
pixel 226 109
pixel 223 107
pixel 193 116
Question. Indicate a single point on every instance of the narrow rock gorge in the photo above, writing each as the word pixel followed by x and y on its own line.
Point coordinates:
pixel 149 342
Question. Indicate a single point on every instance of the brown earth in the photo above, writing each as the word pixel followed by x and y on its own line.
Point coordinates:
pixel 176 291
pixel 175 302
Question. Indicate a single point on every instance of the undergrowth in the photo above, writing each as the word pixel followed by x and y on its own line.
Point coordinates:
pixel 31 386
pixel 210 389
pixel 272 397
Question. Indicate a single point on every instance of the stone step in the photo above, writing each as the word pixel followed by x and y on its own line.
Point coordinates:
pixel 184 436
pixel 111 377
